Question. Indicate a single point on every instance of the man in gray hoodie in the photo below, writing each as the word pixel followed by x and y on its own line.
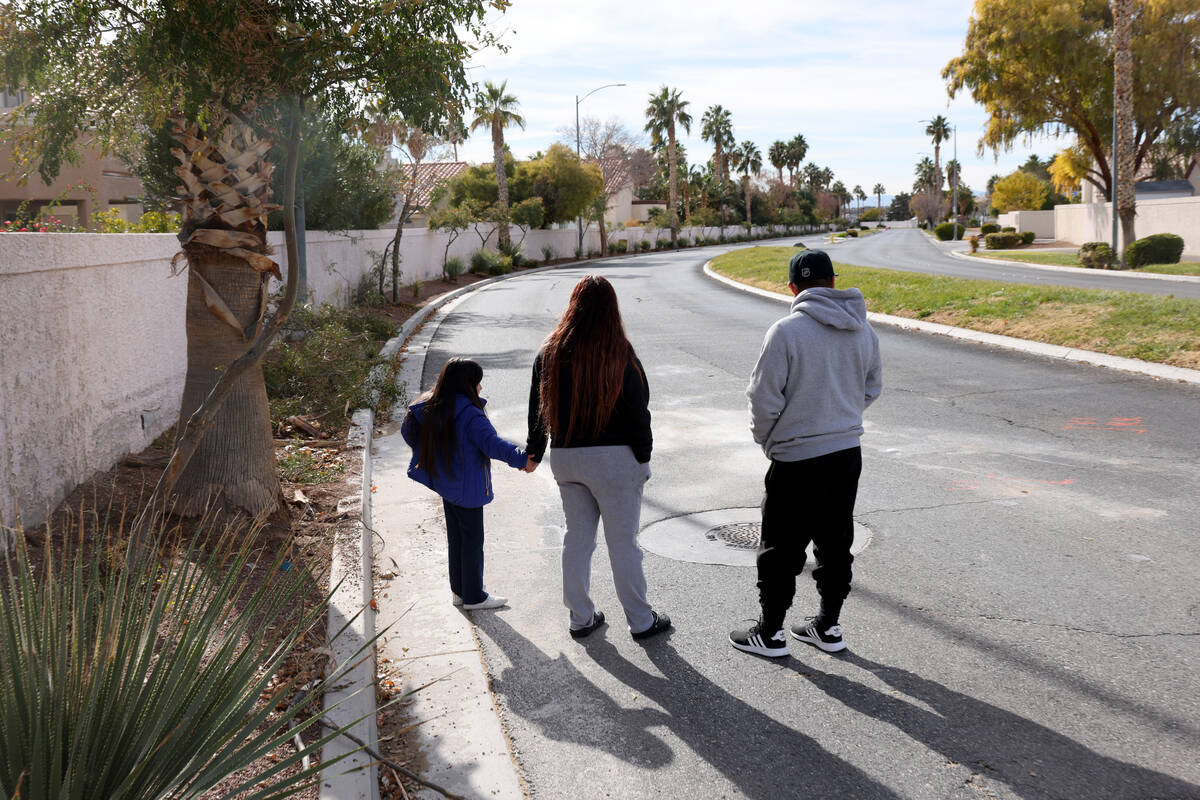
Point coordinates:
pixel 818 369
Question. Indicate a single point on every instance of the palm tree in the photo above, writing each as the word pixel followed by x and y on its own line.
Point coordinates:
pixel 826 177
pixel 716 126
pixel 879 191
pixel 813 174
pixel 778 153
pixel 925 173
pixel 838 190
pixel 797 149
pixel 749 161
pixel 664 111
pixel 939 131
pixel 859 195
pixel 1126 205
pixel 496 110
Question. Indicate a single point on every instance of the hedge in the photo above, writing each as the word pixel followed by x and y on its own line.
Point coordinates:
pixel 1158 248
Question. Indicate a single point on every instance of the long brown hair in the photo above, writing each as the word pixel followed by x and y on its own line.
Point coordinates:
pixel 590 338
pixel 437 435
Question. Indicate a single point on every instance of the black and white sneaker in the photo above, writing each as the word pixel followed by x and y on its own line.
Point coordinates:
pixel 829 640
pixel 772 644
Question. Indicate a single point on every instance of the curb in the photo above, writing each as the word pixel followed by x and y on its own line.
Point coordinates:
pixel 1160 371
pixel 1153 276
pixel 351 631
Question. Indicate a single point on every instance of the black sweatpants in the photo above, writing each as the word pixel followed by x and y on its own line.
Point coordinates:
pixel 464 538
pixel 810 500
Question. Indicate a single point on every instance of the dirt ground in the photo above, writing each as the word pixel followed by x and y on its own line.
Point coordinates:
pixel 312 521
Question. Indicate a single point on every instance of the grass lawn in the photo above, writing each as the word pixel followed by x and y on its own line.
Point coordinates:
pixel 1150 327
pixel 1072 260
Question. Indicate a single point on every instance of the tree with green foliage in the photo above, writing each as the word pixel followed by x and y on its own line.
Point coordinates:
pixel 900 207
pixel 879 191
pixel 938 131
pixel 665 110
pixel 496 110
pixel 236 76
pixel 777 153
pixel 526 215
pixel 1041 66
pixel 1019 191
pixel 797 149
pixel 453 220
pixel 859 195
pixel 716 126
pixel 748 160
pixel 566 185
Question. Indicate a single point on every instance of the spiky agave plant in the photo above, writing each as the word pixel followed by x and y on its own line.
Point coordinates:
pixel 150 672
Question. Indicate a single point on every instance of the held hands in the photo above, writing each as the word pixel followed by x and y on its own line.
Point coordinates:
pixel 530 464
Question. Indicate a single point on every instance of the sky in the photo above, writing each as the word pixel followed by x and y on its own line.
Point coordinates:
pixel 855 79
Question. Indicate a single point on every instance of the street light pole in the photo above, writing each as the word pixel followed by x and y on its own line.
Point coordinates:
pixel 579 145
pixel 954 183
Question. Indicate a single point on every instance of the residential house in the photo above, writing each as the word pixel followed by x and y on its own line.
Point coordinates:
pixel 421 182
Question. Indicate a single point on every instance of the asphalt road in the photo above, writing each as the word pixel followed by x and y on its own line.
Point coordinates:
pixel 1025 622
pixel 911 249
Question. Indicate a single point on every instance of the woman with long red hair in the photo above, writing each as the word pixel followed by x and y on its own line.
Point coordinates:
pixel 590 399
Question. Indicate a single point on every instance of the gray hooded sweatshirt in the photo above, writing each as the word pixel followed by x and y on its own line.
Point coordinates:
pixel 818 369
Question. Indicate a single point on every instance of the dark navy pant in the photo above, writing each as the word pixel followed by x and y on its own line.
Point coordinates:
pixel 807 501
pixel 464 535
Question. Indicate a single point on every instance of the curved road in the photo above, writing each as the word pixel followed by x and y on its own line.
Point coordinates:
pixel 911 249
pixel 1024 624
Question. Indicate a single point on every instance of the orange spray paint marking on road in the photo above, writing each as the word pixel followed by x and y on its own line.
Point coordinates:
pixel 1131 424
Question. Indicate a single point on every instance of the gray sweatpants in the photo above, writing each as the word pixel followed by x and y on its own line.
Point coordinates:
pixel 595 483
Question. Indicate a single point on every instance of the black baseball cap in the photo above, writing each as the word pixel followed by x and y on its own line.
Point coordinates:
pixel 808 265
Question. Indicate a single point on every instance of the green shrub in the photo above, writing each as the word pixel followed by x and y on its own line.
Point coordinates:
pixel 502 265
pixel 973 223
pixel 949 230
pixel 684 241
pixel 644 244
pixel 482 261
pixel 1008 229
pixel 722 239
pixel 1027 237
pixel 453 268
pixel 578 252
pixel 1096 255
pixel 1158 248
pixel 155 666
pixel 619 246
pixel 988 227
pixel 1002 241
pixel 852 232
pixel 547 253
pixel 324 366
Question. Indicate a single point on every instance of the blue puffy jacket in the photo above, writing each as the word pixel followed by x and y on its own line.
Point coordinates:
pixel 468 481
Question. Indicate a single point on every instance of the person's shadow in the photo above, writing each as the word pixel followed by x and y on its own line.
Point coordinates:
pixel 761 756
pixel 1033 760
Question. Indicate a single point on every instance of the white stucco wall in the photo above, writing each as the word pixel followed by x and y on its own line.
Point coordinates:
pixel 1092 222
pixel 93 349
pixel 1040 222
pixel 92 355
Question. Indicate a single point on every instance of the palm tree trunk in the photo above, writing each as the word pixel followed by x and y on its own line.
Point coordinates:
pixel 501 181
pixel 749 223
pixel 1123 81
pixel 721 180
pixel 234 464
pixel 673 193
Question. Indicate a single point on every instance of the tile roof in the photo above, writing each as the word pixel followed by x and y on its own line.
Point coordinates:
pixel 428 176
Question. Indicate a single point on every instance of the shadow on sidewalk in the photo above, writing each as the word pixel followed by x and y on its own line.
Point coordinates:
pixel 759 755
pixel 1033 760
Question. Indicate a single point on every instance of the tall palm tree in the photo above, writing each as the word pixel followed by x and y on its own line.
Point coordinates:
pixel 749 161
pixel 859 195
pixel 938 130
pixel 826 177
pixel 778 154
pixel 797 149
pixel 496 110
pixel 665 110
pixel 716 126
pixel 812 174
pixel 1126 205
pixel 925 173
pixel 839 191
pixel 879 191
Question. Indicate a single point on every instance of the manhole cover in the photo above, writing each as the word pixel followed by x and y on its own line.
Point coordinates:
pixel 741 535
pixel 727 536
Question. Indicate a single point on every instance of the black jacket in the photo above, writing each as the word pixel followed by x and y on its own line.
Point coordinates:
pixel 628 425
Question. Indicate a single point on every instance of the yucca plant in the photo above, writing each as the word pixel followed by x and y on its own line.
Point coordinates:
pixel 132 671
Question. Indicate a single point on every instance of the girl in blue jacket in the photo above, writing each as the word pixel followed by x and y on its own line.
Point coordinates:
pixel 453 443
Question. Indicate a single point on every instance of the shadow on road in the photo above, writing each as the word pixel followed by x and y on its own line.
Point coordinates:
pixel 1033 760
pixel 762 757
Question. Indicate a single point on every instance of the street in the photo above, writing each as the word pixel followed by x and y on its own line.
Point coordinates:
pixel 1025 618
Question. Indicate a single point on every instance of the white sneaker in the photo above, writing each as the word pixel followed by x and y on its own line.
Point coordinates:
pixel 491 601
pixel 456 599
